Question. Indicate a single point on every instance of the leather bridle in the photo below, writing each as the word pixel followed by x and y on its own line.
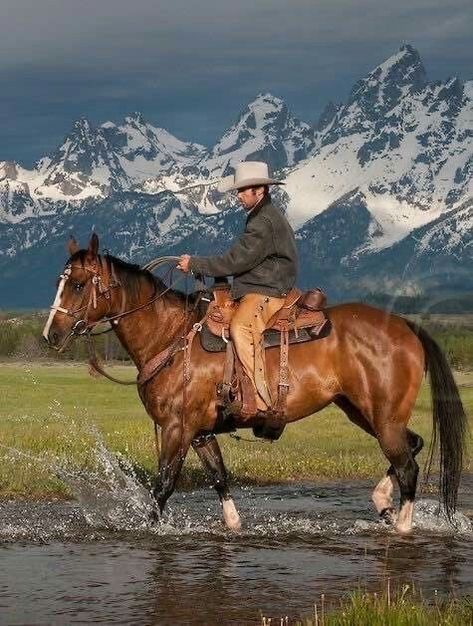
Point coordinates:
pixel 101 282
pixel 101 287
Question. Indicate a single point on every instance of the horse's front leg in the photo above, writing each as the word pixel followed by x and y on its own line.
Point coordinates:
pixel 208 451
pixel 175 444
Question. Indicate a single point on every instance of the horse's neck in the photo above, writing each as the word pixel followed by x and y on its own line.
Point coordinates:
pixel 146 332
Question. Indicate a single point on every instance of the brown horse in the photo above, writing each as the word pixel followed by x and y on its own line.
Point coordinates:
pixel 371 365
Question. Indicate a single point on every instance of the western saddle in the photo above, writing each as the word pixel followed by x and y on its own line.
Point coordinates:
pixel 300 319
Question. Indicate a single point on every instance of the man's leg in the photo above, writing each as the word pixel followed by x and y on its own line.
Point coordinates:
pixel 247 327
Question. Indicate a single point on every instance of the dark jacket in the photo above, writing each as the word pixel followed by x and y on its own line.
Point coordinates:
pixel 263 260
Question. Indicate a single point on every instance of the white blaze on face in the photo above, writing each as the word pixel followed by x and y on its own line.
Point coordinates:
pixel 56 306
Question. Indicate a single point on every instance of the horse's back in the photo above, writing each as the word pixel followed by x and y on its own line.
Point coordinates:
pixel 356 318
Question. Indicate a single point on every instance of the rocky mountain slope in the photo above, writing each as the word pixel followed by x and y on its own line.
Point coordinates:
pixel 379 189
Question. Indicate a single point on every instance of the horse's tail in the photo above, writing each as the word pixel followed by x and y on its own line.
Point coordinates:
pixel 449 420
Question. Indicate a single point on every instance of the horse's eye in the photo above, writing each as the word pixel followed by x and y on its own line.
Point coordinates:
pixel 78 286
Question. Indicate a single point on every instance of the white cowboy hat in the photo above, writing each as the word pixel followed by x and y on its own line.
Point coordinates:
pixel 247 174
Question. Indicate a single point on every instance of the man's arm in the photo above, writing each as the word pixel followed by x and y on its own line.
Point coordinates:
pixel 247 252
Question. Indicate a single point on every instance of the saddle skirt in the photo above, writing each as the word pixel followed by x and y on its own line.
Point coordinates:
pixel 301 310
pixel 300 319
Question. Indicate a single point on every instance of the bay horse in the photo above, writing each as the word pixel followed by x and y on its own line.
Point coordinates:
pixel 371 365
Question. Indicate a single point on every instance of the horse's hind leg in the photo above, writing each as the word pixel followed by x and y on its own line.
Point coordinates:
pixel 383 492
pixel 394 440
pixel 207 449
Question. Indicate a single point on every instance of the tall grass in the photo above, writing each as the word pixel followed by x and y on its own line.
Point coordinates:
pixel 404 607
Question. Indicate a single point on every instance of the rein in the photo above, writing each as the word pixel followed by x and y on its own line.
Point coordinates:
pixel 101 286
pixel 82 326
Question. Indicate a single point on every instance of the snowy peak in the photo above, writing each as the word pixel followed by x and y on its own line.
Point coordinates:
pixel 404 68
pixel 405 143
pixel 82 149
pixel 136 119
pixel 265 130
pixel 83 166
pixel 145 150
pixel 93 162
pixel 150 141
pixel 382 89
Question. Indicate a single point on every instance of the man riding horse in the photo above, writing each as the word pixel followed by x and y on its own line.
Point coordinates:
pixel 263 262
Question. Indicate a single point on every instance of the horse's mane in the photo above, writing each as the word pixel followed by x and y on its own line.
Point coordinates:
pixel 132 276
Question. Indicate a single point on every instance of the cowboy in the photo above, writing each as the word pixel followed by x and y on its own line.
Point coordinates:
pixel 263 263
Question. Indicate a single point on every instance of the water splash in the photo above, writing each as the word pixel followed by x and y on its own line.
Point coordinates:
pixel 429 516
pixel 110 496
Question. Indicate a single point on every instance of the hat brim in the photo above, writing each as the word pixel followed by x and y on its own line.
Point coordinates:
pixel 228 183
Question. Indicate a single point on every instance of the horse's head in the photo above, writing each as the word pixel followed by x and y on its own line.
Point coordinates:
pixel 83 297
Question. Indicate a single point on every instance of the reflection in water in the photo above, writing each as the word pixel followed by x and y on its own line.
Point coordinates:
pixel 297 542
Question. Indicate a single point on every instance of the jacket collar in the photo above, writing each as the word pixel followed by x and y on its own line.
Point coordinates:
pixel 256 209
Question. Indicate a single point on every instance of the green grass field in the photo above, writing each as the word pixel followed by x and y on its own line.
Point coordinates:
pixel 47 412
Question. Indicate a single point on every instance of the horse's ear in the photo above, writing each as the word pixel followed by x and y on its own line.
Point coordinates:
pixel 72 246
pixel 93 245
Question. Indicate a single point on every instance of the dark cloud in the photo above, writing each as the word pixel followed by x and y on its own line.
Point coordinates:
pixel 191 66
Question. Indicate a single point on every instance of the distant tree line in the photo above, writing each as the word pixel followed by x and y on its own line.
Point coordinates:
pixel 431 303
pixel 21 339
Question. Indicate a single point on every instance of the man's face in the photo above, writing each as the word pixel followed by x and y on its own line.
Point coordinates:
pixel 249 196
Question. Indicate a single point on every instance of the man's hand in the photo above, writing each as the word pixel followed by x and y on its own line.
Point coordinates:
pixel 183 264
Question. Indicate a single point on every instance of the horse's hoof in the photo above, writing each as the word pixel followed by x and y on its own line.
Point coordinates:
pixel 231 516
pixel 404 529
pixel 388 516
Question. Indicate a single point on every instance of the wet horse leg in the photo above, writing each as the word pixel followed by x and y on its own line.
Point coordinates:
pixel 394 441
pixel 383 492
pixel 207 449
pixel 174 447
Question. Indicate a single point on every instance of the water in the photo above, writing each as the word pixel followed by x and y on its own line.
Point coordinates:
pixel 101 560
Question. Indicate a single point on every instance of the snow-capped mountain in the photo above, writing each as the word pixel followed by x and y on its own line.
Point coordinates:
pixel 93 163
pixel 379 188
pixel 405 143
pixel 265 131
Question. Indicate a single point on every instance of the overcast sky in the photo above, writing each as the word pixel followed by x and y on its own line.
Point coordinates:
pixel 191 66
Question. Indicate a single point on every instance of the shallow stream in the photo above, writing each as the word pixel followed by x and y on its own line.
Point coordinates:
pixel 99 560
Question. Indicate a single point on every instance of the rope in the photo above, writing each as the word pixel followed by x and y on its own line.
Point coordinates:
pixel 240 438
pixel 185 366
pixel 157 445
